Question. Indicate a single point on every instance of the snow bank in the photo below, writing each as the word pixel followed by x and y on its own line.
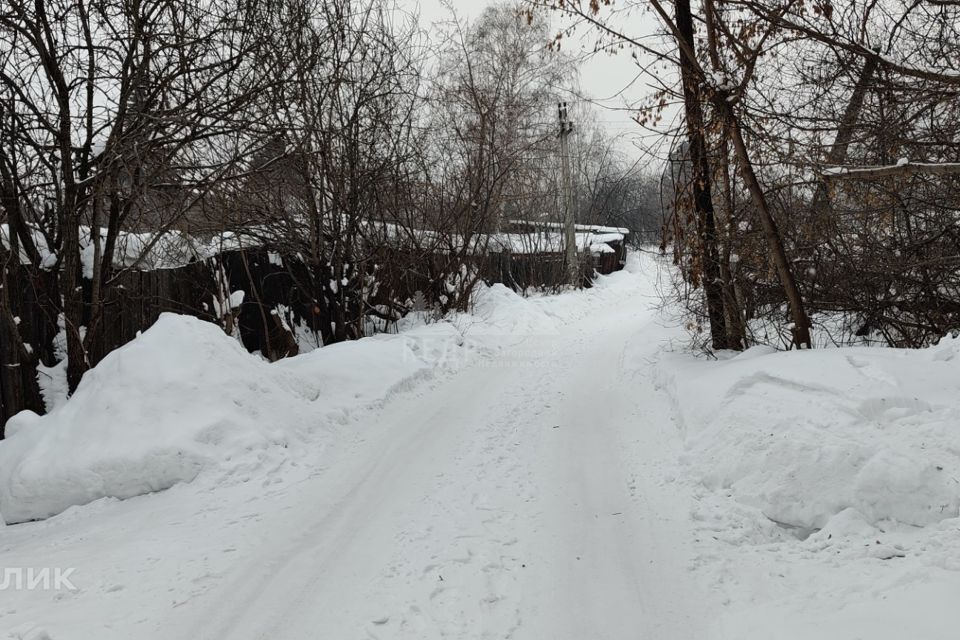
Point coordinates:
pixel 180 399
pixel 501 310
pixel 806 437
pixel 184 398
pixel 826 489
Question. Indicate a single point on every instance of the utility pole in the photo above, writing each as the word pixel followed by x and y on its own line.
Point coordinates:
pixel 570 236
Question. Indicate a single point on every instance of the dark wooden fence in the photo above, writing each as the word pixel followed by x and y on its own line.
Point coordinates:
pixel 137 299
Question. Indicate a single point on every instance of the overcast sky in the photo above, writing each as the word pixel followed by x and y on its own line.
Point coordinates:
pixel 610 79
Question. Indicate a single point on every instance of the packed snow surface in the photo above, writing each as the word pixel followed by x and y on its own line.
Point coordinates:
pixel 543 467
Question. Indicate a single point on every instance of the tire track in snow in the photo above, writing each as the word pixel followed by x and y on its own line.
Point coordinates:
pixel 521 502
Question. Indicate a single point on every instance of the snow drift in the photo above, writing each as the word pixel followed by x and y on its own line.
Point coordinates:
pixel 865 434
pixel 181 398
pixel 184 398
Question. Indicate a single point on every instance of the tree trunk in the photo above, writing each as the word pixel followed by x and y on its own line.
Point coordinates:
pixel 702 197
pixel 801 323
pixel 736 329
pixel 736 326
pixel 73 301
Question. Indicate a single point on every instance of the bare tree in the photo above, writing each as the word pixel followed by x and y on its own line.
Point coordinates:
pixel 118 118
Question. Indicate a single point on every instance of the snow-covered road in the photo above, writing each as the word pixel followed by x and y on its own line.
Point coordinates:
pixel 527 495
pixel 517 501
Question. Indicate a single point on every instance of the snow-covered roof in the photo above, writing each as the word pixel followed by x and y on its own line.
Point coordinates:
pixel 592 228
pixel 148 251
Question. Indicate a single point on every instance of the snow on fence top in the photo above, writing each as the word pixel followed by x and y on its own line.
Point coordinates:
pixel 550 242
pixel 152 250
pixel 586 228
pixel 146 251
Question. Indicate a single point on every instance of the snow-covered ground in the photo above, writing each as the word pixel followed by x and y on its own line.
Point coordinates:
pixel 828 489
pixel 552 467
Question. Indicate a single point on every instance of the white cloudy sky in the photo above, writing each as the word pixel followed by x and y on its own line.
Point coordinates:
pixel 611 80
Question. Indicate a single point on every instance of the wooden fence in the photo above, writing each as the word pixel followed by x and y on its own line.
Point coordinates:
pixel 198 289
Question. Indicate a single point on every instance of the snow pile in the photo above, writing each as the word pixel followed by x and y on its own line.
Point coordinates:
pixel 184 398
pixel 637 280
pixel 826 489
pixel 501 310
pixel 860 434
